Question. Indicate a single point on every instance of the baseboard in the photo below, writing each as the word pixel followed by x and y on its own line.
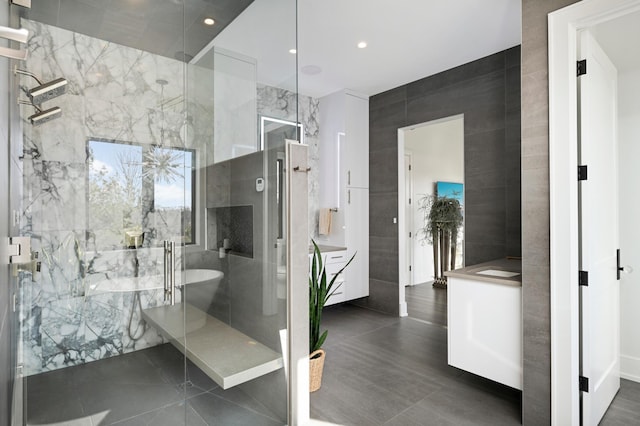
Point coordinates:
pixel 403 309
pixel 630 368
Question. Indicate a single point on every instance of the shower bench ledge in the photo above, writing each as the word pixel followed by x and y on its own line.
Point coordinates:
pixel 225 354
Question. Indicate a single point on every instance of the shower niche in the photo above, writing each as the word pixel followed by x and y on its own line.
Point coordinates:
pixel 231 228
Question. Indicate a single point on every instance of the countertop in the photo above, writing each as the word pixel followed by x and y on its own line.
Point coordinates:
pixel 326 249
pixel 506 265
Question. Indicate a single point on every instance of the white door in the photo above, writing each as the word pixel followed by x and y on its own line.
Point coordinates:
pixel 600 316
pixel 408 212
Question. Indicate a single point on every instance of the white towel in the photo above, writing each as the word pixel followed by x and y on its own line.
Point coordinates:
pixel 324 227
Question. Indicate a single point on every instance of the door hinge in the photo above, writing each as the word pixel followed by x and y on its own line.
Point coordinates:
pixel 409 234
pixel 409 167
pixel 583 384
pixel 583 278
pixel 18 250
pixel 582 67
pixel 409 268
pixel 409 200
pixel 582 172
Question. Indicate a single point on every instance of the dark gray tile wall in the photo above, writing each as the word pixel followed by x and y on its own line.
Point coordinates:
pixel 536 396
pixel 487 92
pixel 232 183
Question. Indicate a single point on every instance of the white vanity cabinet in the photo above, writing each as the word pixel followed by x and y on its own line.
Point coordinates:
pixel 484 308
pixel 354 145
pixel 344 181
pixel 356 212
pixel 333 262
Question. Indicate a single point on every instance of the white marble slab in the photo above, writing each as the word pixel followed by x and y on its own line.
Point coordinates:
pixel 225 354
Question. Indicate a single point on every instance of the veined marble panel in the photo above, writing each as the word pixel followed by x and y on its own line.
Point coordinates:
pixel 113 93
pixel 281 103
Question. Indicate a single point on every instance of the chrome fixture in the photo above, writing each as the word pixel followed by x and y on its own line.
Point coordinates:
pixel 169 272
pixel 42 116
pixel 45 91
pixel 21 36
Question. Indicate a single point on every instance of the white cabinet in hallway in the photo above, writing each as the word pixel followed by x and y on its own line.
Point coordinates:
pixel 344 182
pixel 357 241
pixel 355 143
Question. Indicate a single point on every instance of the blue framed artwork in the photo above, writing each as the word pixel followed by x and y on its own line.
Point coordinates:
pixel 451 190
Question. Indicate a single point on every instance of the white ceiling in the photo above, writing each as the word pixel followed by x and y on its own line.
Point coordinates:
pixel 614 37
pixel 407 40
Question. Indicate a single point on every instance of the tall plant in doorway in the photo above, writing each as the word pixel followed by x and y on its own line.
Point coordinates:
pixel 442 221
pixel 320 290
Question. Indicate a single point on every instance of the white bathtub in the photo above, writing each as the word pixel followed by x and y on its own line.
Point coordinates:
pixel 210 277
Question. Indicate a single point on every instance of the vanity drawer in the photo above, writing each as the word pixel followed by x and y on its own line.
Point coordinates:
pixel 335 257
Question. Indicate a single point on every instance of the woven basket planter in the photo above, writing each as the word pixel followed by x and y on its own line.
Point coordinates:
pixel 316 364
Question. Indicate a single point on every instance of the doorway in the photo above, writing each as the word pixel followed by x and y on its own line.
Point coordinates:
pixel 612 24
pixel 431 159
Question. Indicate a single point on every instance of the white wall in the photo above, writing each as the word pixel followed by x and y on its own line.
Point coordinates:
pixel 629 152
pixel 438 155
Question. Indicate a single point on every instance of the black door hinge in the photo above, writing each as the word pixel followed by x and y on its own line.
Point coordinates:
pixel 582 67
pixel 583 278
pixel 409 267
pixel 584 384
pixel 582 172
pixel 409 167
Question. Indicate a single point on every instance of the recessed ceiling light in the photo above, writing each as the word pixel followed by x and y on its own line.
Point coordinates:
pixel 209 21
pixel 293 51
pixel 362 45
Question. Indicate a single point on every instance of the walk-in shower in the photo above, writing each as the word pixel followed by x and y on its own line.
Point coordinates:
pixel 152 147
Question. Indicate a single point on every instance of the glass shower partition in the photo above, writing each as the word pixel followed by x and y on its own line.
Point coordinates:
pixel 157 286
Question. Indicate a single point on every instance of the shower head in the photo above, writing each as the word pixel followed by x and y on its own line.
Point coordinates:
pixel 47 91
pixel 44 116
pixel 44 91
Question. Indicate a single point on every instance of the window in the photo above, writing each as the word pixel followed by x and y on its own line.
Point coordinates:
pixel 139 194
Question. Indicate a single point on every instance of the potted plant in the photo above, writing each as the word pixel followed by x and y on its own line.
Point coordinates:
pixel 319 292
pixel 442 220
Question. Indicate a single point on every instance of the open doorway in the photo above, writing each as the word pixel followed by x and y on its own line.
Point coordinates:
pixel 608 33
pixel 432 164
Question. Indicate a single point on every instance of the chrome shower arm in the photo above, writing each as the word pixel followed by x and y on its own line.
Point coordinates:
pixel 17 70
pixel 23 102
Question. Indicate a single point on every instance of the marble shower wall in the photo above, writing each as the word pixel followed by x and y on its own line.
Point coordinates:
pixel 112 94
pixel 281 103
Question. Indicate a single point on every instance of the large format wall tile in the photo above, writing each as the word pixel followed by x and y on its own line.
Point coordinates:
pixel 487 92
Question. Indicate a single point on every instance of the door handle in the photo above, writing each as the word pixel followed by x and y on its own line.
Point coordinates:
pixel 618 267
pixel 169 272
pixel 626 269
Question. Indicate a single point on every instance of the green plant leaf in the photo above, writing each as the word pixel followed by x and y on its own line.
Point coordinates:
pixel 319 292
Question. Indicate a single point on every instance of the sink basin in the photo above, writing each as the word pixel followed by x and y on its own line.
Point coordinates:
pixel 498 273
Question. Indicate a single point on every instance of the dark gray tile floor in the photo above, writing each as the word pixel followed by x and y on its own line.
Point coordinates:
pixel 379 370
pixel 383 370
pixel 141 388
pixel 625 408
pixel 427 303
